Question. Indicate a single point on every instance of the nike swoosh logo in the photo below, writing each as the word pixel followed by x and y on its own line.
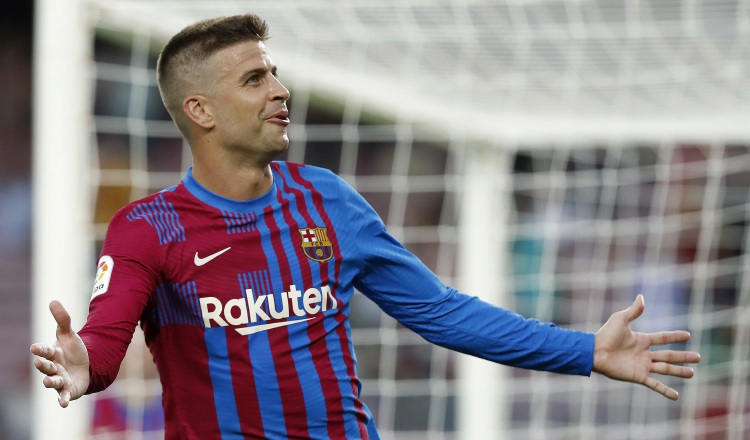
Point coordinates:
pixel 263 327
pixel 201 261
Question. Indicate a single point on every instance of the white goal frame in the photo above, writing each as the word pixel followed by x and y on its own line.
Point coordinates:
pixel 61 232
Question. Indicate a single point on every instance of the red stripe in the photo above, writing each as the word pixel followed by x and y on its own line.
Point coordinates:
pixel 340 317
pixel 248 406
pixel 295 413
pixel 181 402
pixel 316 331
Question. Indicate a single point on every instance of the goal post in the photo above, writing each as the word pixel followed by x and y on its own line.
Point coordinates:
pixel 61 232
pixel 482 268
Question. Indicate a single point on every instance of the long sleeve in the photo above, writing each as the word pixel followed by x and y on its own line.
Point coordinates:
pixel 130 253
pixel 407 290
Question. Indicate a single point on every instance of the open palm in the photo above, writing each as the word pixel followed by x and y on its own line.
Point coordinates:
pixel 65 362
pixel 622 354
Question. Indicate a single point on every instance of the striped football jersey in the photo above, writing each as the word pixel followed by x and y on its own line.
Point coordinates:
pixel 245 308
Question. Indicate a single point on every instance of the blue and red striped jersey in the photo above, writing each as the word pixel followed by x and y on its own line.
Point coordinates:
pixel 245 308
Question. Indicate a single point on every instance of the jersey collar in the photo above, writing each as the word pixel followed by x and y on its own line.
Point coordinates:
pixel 225 204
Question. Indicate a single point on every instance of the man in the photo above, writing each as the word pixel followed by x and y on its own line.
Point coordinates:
pixel 241 275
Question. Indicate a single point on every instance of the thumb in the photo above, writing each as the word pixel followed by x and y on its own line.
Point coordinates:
pixel 62 317
pixel 636 309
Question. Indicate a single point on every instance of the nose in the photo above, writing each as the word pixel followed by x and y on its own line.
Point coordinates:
pixel 278 91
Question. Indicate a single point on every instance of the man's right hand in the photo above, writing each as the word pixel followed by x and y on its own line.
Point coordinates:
pixel 65 362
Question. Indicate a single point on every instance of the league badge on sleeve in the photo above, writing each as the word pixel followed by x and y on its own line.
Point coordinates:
pixel 315 244
pixel 103 275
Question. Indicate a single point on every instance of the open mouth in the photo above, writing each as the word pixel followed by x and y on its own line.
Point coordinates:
pixel 281 117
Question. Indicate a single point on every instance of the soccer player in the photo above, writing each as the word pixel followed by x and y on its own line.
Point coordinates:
pixel 241 276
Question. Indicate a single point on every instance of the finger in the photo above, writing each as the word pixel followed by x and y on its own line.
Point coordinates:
pixel 660 388
pixel 670 337
pixel 672 370
pixel 43 350
pixel 45 366
pixel 64 398
pixel 55 382
pixel 636 309
pixel 61 316
pixel 676 357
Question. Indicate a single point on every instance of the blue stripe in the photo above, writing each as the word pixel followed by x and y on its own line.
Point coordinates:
pixel 221 381
pixel 167 305
pixel 312 390
pixel 161 216
pixel 264 370
pixel 194 304
pixel 154 212
pixel 178 304
pixel 236 223
pixel 191 302
pixel 333 342
pixel 372 430
pixel 254 281
pixel 337 358
pixel 161 304
pixel 168 215
pixel 316 268
pixel 268 286
pixel 137 214
pixel 149 212
pixel 229 219
pixel 239 222
pixel 174 220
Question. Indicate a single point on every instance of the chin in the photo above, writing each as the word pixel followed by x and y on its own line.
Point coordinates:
pixel 283 145
pixel 278 148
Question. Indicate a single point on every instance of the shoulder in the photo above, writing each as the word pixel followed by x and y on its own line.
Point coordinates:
pixel 309 177
pixel 153 213
pixel 146 207
pixel 306 171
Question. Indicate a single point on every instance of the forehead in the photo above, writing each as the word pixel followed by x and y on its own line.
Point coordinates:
pixel 242 56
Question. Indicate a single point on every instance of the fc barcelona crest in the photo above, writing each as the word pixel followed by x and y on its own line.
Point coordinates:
pixel 315 244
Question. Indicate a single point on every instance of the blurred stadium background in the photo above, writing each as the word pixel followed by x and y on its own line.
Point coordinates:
pixel 555 157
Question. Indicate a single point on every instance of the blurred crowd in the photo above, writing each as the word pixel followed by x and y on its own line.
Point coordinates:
pixel 15 215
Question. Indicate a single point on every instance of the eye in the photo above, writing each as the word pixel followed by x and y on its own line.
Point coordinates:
pixel 253 79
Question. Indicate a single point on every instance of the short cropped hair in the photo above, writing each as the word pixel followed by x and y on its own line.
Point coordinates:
pixel 181 63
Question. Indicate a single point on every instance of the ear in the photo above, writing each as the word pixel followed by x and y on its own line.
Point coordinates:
pixel 198 109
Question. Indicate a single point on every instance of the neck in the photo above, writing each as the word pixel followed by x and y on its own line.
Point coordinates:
pixel 239 181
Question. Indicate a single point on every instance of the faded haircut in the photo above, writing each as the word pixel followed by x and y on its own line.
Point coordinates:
pixel 181 63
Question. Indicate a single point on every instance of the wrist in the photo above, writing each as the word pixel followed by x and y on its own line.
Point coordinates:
pixel 598 354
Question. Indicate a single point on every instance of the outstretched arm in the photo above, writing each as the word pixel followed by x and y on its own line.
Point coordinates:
pixel 65 362
pixel 622 354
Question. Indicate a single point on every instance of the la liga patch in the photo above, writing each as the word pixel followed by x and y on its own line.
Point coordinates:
pixel 103 275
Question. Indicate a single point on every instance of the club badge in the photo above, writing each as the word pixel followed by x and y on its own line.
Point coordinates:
pixel 315 244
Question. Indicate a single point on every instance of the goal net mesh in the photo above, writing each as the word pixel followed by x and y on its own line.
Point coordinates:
pixel 623 127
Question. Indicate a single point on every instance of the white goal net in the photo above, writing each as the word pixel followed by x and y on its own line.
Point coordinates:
pixel 555 157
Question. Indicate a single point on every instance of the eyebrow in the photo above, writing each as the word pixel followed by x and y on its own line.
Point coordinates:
pixel 259 71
